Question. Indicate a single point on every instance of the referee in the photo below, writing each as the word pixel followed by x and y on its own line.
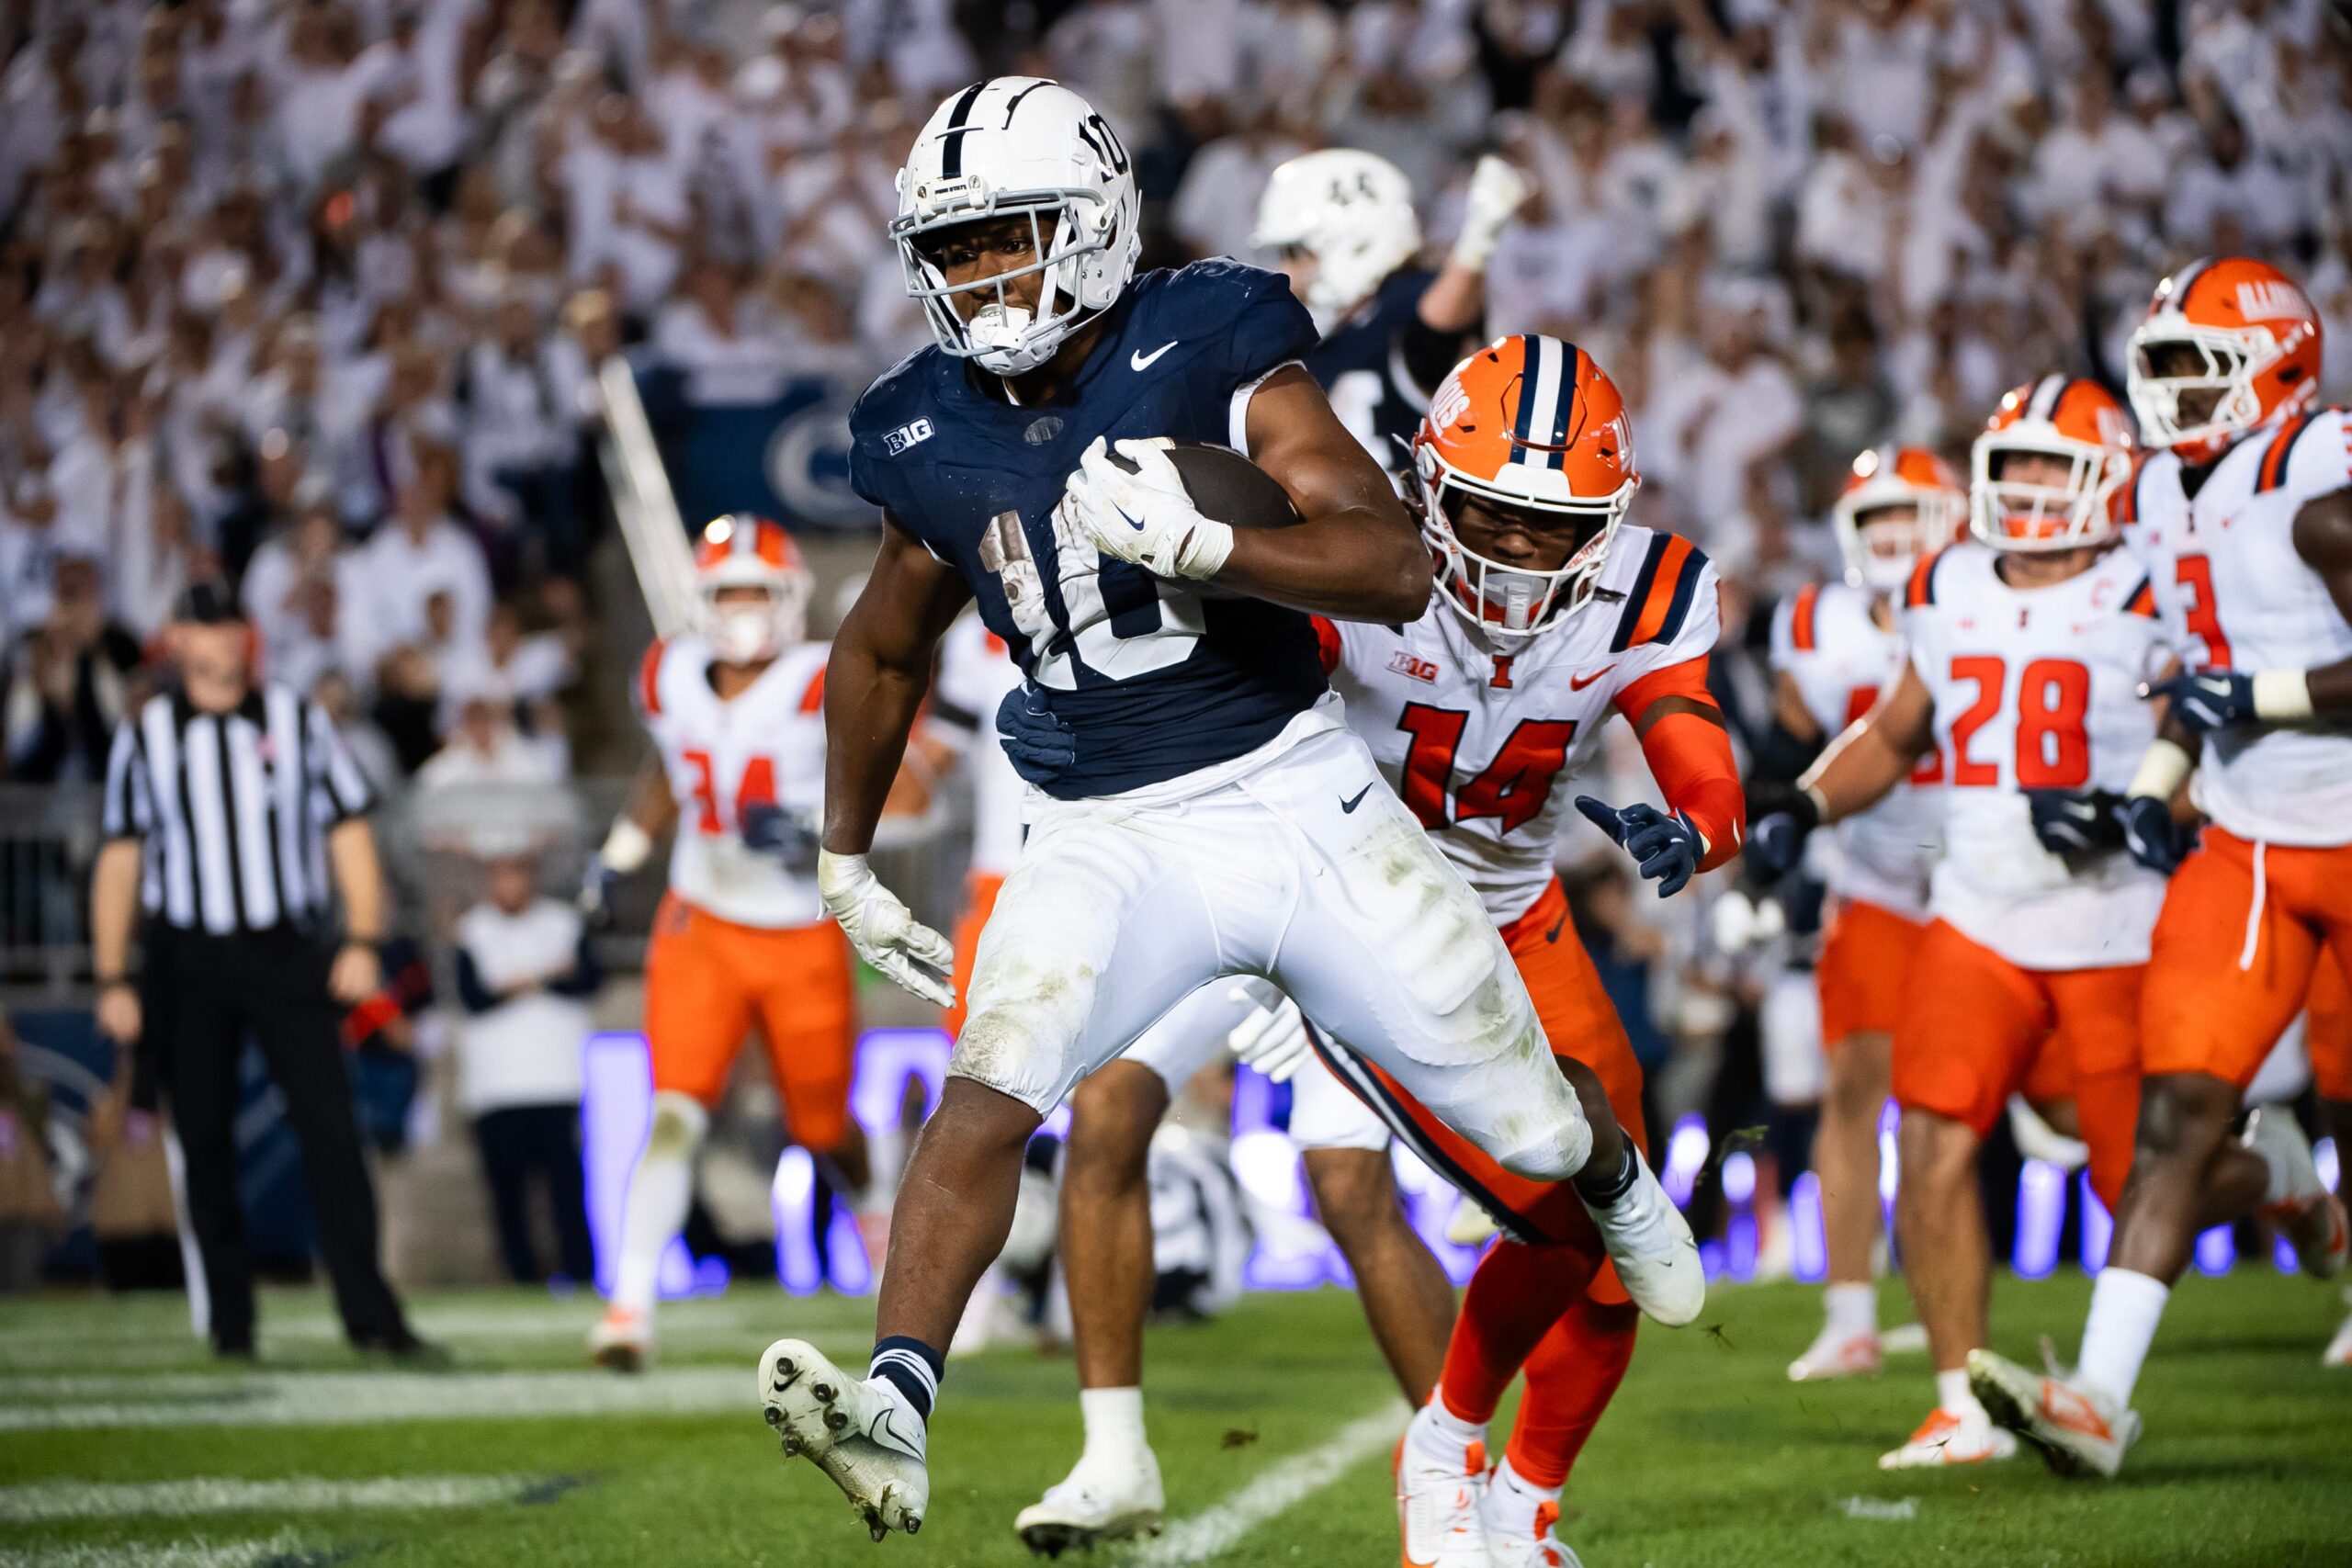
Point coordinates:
pixel 232 814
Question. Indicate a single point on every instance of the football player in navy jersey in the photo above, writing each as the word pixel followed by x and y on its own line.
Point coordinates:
pixel 1213 816
pixel 1344 225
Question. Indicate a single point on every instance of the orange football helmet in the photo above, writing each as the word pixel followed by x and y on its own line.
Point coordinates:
pixel 2080 425
pixel 1533 423
pixel 1880 547
pixel 2235 328
pixel 743 551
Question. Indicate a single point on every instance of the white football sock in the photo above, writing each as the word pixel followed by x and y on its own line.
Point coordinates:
pixel 1852 1309
pixel 1512 1501
pixel 2125 1309
pixel 1113 1419
pixel 1953 1396
pixel 1441 1438
pixel 658 1192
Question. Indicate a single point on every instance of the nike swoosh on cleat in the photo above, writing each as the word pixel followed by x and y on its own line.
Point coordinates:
pixel 1141 361
pixel 1579 682
pixel 1351 805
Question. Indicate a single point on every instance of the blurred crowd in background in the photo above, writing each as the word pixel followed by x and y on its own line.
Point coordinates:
pixel 312 292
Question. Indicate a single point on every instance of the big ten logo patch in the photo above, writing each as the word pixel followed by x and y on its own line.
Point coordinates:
pixel 907 435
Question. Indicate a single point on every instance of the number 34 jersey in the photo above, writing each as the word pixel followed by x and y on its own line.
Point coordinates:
pixel 766 744
pixel 1476 741
pixel 2036 688
pixel 2237 596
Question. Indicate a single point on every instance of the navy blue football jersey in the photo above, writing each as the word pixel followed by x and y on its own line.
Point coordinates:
pixel 1361 368
pixel 1157 678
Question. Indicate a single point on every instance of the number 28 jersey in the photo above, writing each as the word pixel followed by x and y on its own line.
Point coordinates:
pixel 1476 741
pixel 2036 688
pixel 2237 596
pixel 766 744
pixel 1157 677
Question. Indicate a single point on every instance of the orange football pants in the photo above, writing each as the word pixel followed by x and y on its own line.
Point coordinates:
pixel 1986 1029
pixel 2236 956
pixel 709 982
pixel 2327 1031
pixel 1864 966
pixel 980 902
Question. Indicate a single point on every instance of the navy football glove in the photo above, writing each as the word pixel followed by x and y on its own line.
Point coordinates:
pixel 2154 839
pixel 2076 821
pixel 1041 746
pixel 2208 700
pixel 1781 816
pixel 786 835
pixel 1666 848
pixel 596 885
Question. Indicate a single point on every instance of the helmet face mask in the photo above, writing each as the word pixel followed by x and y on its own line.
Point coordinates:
pixel 1510 600
pixel 2027 505
pixel 2229 343
pixel 1899 505
pixel 1053 162
pixel 752 589
pixel 1890 540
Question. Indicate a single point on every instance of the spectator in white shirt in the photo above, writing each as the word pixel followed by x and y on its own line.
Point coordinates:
pixel 33 540
pixel 717 339
pixel 317 95
pixel 419 552
pixel 524 973
pixel 1217 201
pixel 2230 199
pixel 486 750
pixel 521 441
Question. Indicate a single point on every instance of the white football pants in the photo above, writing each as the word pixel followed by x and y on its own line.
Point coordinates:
pixel 1301 866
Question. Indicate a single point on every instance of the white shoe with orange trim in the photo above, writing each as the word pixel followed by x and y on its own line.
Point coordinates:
pixel 1835 1353
pixel 2077 1429
pixel 1945 1438
pixel 1437 1508
pixel 622 1339
pixel 1541 1547
pixel 2305 1211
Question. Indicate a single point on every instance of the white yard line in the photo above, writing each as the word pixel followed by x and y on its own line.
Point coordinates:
pixel 1214 1531
pixel 329 1399
pixel 48 1500
pixel 164 1554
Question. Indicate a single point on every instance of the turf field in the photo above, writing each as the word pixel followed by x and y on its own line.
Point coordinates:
pixel 120 1443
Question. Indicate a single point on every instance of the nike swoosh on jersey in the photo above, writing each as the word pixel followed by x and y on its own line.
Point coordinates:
pixel 1579 682
pixel 1141 361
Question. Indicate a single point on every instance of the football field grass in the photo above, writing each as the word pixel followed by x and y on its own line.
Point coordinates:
pixel 120 1441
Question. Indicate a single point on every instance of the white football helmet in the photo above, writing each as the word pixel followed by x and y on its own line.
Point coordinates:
pixel 743 551
pixel 1020 144
pixel 1353 211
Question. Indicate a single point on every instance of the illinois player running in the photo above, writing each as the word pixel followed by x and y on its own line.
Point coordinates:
pixel 1836 650
pixel 1342 223
pixel 742 941
pixel 2248 509
pixel 2026 649
pixel 1550 613
pixel 1215 817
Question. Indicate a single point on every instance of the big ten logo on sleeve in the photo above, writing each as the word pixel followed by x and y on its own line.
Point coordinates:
pixel 906 435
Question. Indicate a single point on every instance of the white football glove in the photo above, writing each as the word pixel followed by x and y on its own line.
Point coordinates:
pixel 882 929
pixel 1146 517
pixel 1497 192
pixel 1273 1039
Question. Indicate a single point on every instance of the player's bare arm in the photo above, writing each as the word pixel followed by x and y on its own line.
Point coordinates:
pixel 2324 538
pixel 1876 753
pixel 876 679
pixel 1789 710
pixel 1357 557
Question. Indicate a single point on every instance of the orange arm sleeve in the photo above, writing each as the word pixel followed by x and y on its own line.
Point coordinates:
pixel 1690 754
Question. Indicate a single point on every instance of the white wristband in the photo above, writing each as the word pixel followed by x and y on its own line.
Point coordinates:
pixel 2162 768
pixel 626 846
pixel 1204 549
pixel 2282 696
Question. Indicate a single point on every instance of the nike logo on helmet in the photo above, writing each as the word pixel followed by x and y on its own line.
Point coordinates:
pixel 1141 361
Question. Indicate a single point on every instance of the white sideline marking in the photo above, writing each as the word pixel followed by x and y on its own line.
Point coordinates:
pixel 1214 1531
pixel 167 1554
pixel 329 1399
pixel 47 1500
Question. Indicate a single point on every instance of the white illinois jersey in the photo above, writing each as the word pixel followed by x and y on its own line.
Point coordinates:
pixel 2036 689
pixel 975 672
pixel 2235 596
pixel 767 743
pixel 1829 645
pixel 1476 741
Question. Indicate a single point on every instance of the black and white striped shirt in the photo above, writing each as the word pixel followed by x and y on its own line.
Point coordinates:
pixel 231 810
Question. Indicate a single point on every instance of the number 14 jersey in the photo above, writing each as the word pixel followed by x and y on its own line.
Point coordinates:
pixel 1476 741
pixel 2036 688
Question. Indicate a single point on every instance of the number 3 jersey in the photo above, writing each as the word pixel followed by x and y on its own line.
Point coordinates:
pixel 2036 688
pixel 1476 741
pixel 1158 678
pixel 2236 595
pixel 1827 641
pixel 766 744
